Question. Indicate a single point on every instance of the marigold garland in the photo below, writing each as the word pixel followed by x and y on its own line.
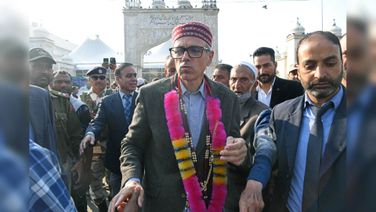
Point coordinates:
pixel 184 157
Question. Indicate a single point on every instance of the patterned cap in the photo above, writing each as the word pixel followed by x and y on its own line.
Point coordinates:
pixel 193 29
pixel 96 70
pixel 39 53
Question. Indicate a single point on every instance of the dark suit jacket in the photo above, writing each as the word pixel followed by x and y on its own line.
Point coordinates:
pixel 285 122
pixel 14 123
pixel 284 90
pixel 147 151
pixel 249 112
pixel 42 118
pixel 361 168
pixel 111 114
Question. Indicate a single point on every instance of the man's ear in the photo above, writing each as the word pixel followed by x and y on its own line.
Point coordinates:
pixel 211 55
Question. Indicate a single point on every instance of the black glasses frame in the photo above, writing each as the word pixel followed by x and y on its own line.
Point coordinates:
pixel 190 50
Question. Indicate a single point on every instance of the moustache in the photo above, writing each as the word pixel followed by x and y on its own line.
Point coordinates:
pixel 330 82
pixel 264 75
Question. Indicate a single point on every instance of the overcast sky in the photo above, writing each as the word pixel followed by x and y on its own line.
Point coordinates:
pixel 244 25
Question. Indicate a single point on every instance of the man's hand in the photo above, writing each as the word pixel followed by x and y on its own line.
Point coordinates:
pixel 88 139
pixel 235 151
pixel 251 197
pixel 125 196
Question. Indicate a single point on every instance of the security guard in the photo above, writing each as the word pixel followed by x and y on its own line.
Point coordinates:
pixel 68 132
pixel 68 127
pixel 81 171
pixel 92 98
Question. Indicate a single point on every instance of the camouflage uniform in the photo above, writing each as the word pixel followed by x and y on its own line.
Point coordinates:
pixel 68 133
pixel 97 191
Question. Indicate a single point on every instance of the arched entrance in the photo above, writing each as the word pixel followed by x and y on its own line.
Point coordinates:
pixel 147 28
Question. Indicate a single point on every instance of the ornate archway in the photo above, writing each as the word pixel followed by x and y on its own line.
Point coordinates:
pixel 146 28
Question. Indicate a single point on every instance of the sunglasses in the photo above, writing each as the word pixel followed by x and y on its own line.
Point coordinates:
pixel 102 77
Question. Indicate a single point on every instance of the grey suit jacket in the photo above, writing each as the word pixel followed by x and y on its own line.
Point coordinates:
pixel 285 122
pixel 147 151
pixel 249 112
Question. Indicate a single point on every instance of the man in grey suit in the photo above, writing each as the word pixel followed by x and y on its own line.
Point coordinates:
pixel 242 79
pixel 147 153
pixel 310 134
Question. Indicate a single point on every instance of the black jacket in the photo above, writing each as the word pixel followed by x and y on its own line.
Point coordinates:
pixel 284 90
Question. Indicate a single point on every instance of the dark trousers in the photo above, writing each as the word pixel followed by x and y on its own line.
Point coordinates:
pixel 79 198
pixel 115 181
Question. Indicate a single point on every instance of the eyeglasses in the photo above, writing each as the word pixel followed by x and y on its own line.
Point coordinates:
pixel 102 77
pixel 130 75
pixel 193 51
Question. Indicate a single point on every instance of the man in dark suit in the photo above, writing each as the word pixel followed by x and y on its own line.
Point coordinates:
pixel 147 152
pixel 310 134
pixel 115 112
pixel 272 90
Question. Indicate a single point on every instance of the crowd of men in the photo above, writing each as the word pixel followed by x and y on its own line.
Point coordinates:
pixel 242 139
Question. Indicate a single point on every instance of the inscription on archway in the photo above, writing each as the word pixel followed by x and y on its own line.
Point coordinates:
pixel 162 20
pixel 146 28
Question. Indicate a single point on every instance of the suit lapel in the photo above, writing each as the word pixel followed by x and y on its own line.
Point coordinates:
pixel 275 92
pixel 337 138
pixel 293 132
pixel 133 104
pixel 245 111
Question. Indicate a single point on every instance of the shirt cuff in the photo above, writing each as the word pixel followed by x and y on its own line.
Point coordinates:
pixel 135 179
pixel 90 133
pixel 261 170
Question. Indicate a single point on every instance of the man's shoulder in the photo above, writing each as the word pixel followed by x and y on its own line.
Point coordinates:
pixel 288 106
pixel 111 97
pixel 259 104
pixel 254 106
pixel 221 89
pixel 288 83
pixel 159 86
pixel 35 90
pixel 108 92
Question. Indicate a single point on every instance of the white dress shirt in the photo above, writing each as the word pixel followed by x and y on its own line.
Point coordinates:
pixel 263 96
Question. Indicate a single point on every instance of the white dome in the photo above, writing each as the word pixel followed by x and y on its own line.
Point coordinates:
pixel 157 4
pixel 184 4
pixel 298 29
pixel 336 29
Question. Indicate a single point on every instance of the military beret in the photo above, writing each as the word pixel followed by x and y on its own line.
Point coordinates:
pixel 96 70
pixel 39 53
